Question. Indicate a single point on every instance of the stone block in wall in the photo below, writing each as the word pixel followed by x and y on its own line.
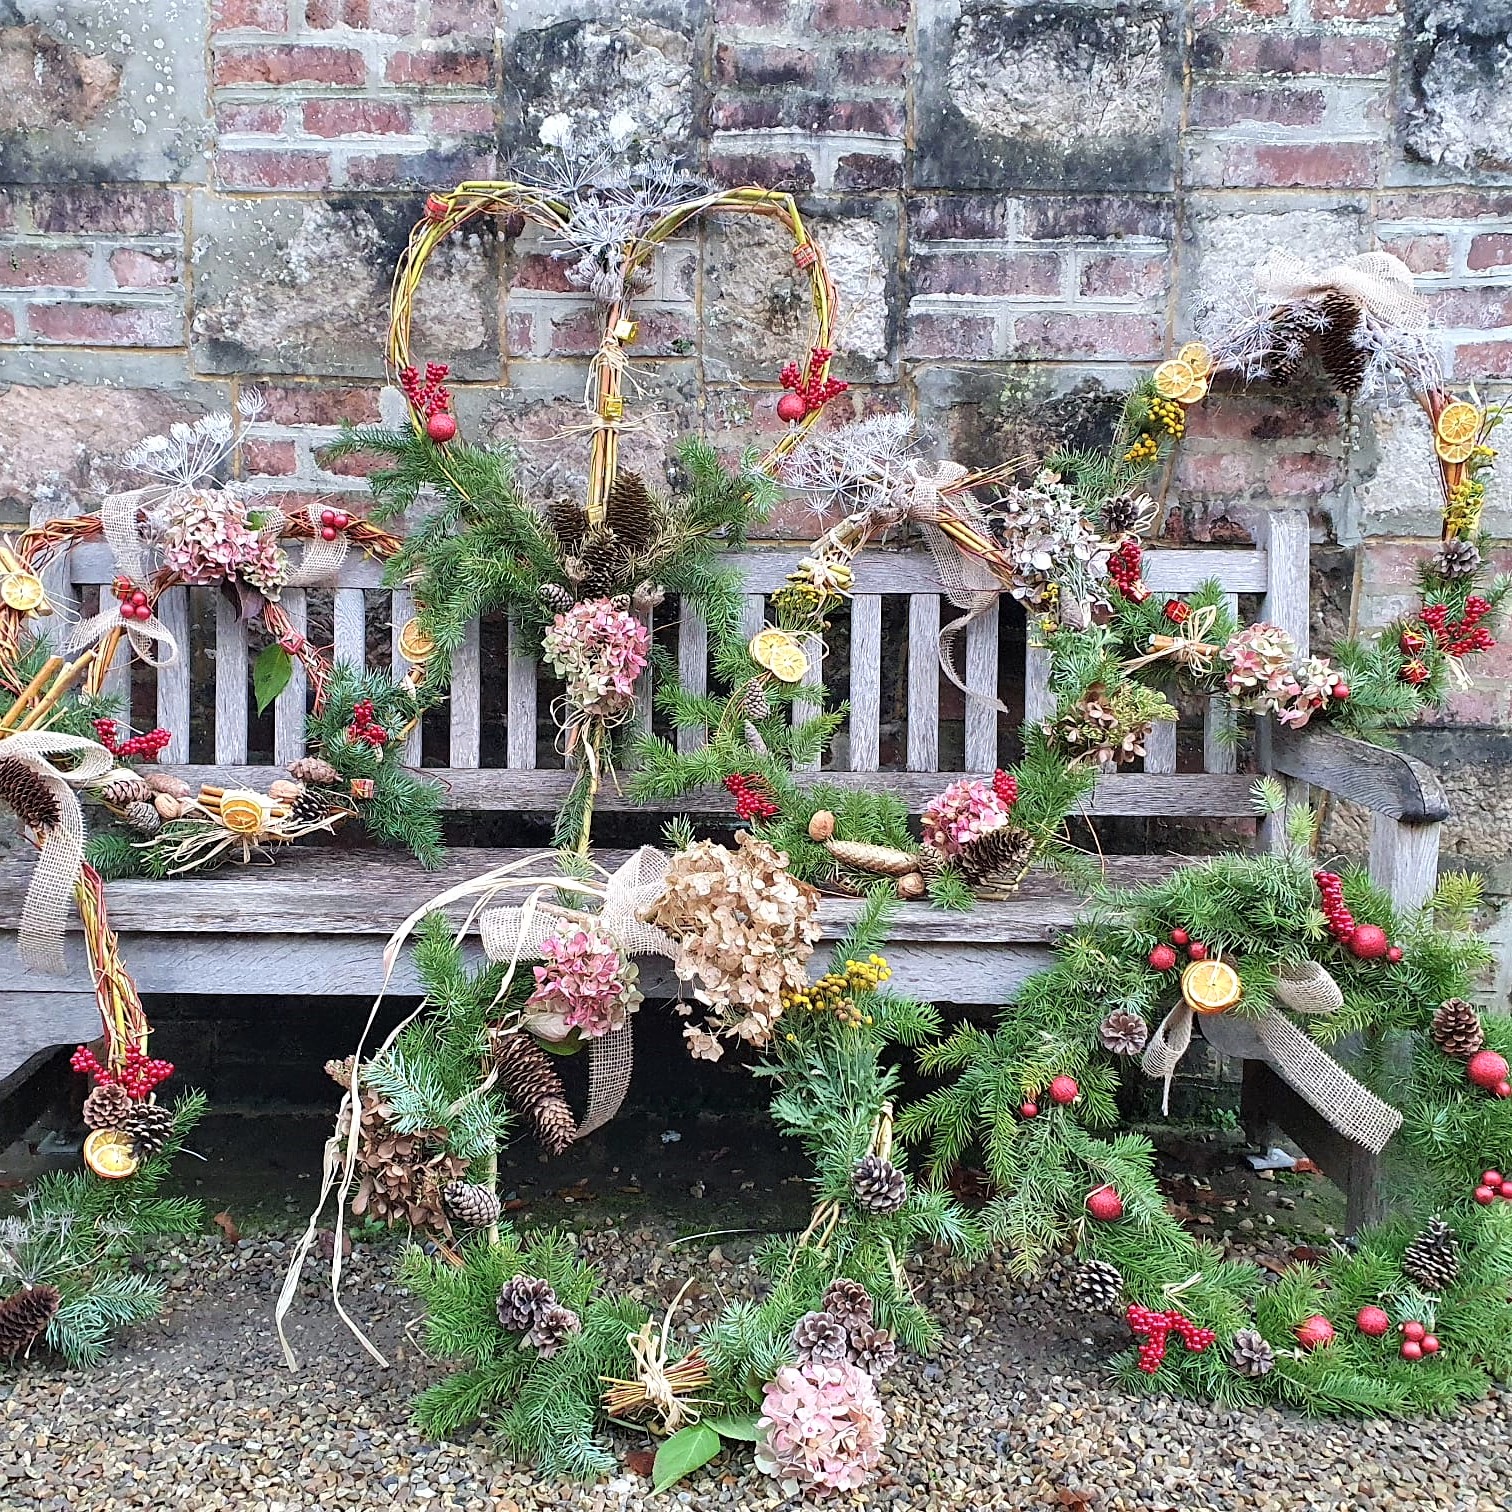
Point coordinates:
pixel 1456 114
pixel 302 287
pixel 100 93
pixel 1072 94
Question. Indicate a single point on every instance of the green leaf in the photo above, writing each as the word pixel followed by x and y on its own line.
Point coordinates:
pixel 740 1426
pixel 270 674
pixel 683 1453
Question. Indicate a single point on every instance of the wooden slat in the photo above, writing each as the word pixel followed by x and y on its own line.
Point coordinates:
pixel 1039 701
pixel 1220 752
pixel 1288 600
pixel 117 680
pixel 230 682
pixel 1404 859
pixel 57 576
pixel 402 609
pixel 172 609
pixel 289 706
pixel 521 731
pixel 465 701
pixel 752 614
pixel 924 683
pixel 813 677
pixel 865 682
pixel 645 684
pixel 1383 781
pixel 39 1020
pixel 350 627
pixel 1160 747
pixel 692 669
pixel 981 677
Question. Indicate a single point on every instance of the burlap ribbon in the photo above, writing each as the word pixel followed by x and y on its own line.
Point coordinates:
pixel 1380 282
pixel 45 911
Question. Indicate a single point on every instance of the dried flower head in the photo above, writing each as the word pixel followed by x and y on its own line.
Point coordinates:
pixel 600 651
pixel 822 1428
pixel 585 981
pixel 964 812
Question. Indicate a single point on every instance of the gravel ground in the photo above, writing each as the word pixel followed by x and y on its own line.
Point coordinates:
pixel 197 1412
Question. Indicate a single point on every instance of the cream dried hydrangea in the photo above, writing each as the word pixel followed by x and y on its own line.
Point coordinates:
pixel 744 929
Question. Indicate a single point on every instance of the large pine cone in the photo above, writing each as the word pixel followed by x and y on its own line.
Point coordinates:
pixel 316 771
pixel 848 1301
pixel 150 1125
pixel 568 521
pixel 521 1300
pixel 23 790
pixel 107 1106
pixel 1001 853
pixel 1343 359
pixel 599 563
pixel 1250 1355
pixel 24 1317
pixel 880 1187
pixel 470 1205
pixel 534 1090
pixel 1097 1286
pixel 1456 1028
pixel 1432 1259
pixel 820 1338
pixel 630 512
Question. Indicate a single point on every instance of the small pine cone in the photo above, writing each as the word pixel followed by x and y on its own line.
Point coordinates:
pixel 554 1325
pixel 310 807
pixel 931 861
pixel 880 1187
pixel 555 597
pixel 1120 515
pixel 24 1316
pixel 522 1300
pixel 631 513
pixel 106 1106
pixel 1457 559
pixel 1289 330
pixel 1250 1355
pixel 121 789
pixel 1456 1029
pixel 150 1125
pixel 848 1301
pixel 1096 1287
pixel 142 817
pixel 1123 1033
pixel 1432 1259
pixel 754 701
pixel 568 521
pixel 1000 854
pixel 873 1350
pixel 316 771
pixel 621 602
pixel 1343 359
pixel 819 1338
pixel 23 789
pixel 470 1205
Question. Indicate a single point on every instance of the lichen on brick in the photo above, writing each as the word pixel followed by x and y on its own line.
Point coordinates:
pixel 1459 111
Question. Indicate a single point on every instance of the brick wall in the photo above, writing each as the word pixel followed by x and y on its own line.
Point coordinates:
pixel 1022 203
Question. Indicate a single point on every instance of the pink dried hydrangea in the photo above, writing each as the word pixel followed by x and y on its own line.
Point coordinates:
pixel 964 812
pixel 1266 676
pixel 600 651
pixel 585 984
pixel 822 1428
pixel 209 535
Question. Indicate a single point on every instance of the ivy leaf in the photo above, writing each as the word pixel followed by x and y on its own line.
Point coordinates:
pixel 740 1425
pixel 683 1453
pixel 270 674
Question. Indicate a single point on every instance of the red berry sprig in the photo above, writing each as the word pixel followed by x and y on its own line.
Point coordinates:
pixel 1005 785
pixel 140 1076
pixel 364 726
pixel 1367 941
pixel 333 522
pixel 1460 637
pixel 428 398
pixel 146 746
pixel 1154 1330
pixel 1123 569
pixel 810 392
pixel 135 604
pixel 752 799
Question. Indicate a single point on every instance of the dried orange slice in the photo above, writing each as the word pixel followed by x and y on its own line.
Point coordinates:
pixel 1173 378
pixel 1453 451
pixel 780 654
pixel 108 1153
pixel 1197 357
pixel 1196 394
pixel 414 644
pixel 22 591
pixel 1458 422
pixel 1210 986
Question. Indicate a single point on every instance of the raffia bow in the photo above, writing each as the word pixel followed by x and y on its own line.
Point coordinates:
pixel 1380 282
pixel 1189 647
pixel 45 911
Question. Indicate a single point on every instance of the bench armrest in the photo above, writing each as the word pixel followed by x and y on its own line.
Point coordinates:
pixel 1386 782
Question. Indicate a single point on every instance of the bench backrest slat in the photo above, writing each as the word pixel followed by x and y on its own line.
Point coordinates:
pixel 865 749
pixel 923 683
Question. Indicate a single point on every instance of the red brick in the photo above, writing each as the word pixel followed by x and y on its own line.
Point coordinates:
pixel 1292 54
pixel 288 65
pixel 1115 277
pixel 1322 165
pixel 1229 106
pixel 1391 565
pixel 1483 359
pixel 1088 336
pixel 273 170
pixel 540 270
pixel 335 118
pixel 771 109
pixel 868 170
pixel 763 65
pixel 133 269
pixel 269 458
pixel 750 12
pixel 771 170
pixel 261 15
pixel 7 326
pixel 7 210
pixel 519 333
pixel 1473 309
pixel 1297 473
pixel 864 65
pixel 106 325
pixel 123 212
pixel 1443 204
pixel 1220 11
pixel 1493 250
pixel 460 18
pixel 1097 217
pixel 861 15
pixel 960 217
pixel 1423 254
pixel 1353 10
pixel 1014 274
pixel 439 68
pixel 384 170
pixel 576 332
pixel 959 336
pixel 461 120
pixel 263 120
pixel 1225 472
pixel 43 267
pixel 317 404
pixel 393 17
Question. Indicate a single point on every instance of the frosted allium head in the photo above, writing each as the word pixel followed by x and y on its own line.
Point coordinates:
pixel 586 981
pixel 208 536
pixel 599 651
pixel 964 812
pixel 822 1428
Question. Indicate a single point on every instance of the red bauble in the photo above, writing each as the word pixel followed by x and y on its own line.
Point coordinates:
pixel 1341 691
pixel 1415 1332
pixel 1197 950
pixel 1411 1350
pixel 1504 1189
pixel 1492 1177
pixel 1105 1204
pixel 791 408
pixel 1486 1069
pixel 1502 1089
pixel 1314 1331
pixel 1369 942
pixel 1430 1344
pixel 1179 937
pixel 1162 958
pixel 1485 1194
pixel 441 427
pixel 1028 1110
pixel 1373 1321
pixel 1394 954
pixel 1064 1090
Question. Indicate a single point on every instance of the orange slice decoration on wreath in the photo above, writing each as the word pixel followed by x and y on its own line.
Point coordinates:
pixel 1211 986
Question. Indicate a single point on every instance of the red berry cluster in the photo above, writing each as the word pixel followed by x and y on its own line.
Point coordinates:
pixel 140 1076
pixel 1005 785
pixel 364 726
pixel 333 522
pixel 1367 941
pixel 1163 957
pixel 1155 1329
pixel 810 392
pixel 426 396
pixel 752 799
pixel 147 746
pixel 134 602
pixel 1123 569
pixel 1417 1341
pixel 1178 611
pixel 1465 635
pixel 1493 1185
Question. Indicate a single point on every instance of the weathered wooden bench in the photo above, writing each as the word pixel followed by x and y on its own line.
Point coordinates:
pixel 314 922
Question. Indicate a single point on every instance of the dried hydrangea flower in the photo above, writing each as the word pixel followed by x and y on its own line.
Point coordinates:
pixel 822 1428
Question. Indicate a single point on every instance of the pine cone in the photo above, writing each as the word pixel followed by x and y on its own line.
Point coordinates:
pixel 316 771
pixel 142 817
pixel 24 1317
pixel 522 1300
pixel 150 1125
pixel 1432 1259
pixel 600 562
pixel 554 1325
pixel 1122 514
pixel 880 860
pixel 568 522
pixel 1457 559
pixel 820 1338
pixel 1456 1029
pixel 880 1187
pixel 848 1301
pixel 1289 330
pixel 873 1350
pixel 555 597
pixel 1250 1355
pixel 106 1106
pixel 1096 1287
pixel 1123 1032
pixel 1001 853
pixel 754 701
pixel 534 1090
pixel 121 789
pixel 470 1205
pixel 1343 359
pixel 309 808
pixel 631 513
pixel 25 791
pixel 931 861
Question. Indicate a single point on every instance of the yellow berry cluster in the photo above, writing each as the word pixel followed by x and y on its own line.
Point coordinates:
pixel 832 993
pixel 1168 414
pixel 1466 500
pixel 1144 449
